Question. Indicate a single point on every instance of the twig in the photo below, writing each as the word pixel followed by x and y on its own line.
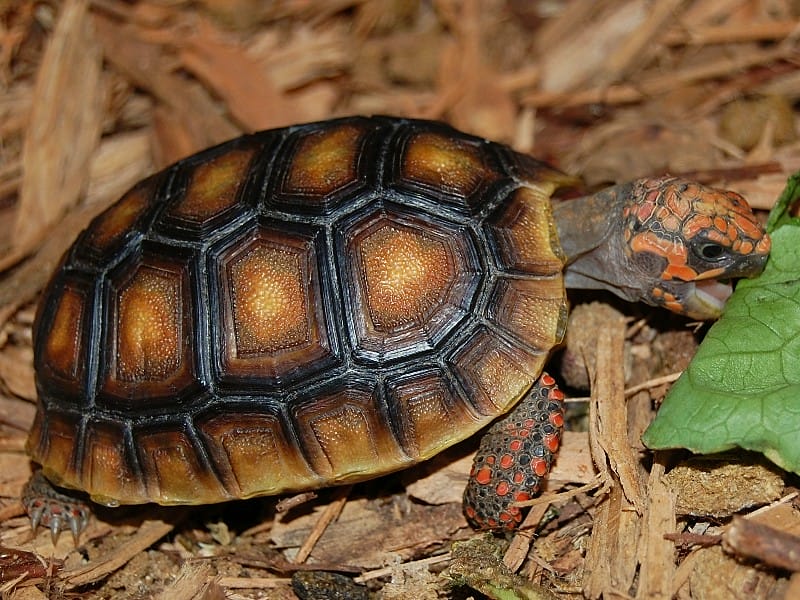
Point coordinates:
pixel 331 512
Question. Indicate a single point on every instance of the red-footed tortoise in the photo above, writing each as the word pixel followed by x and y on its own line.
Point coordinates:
pixel 330 302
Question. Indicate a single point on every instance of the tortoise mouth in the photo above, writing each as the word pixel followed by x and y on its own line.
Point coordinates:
pixel 706 298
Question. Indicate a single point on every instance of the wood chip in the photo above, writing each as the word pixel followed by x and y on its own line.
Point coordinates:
pixel 64 129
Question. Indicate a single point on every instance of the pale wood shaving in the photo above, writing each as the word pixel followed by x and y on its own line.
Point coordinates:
pixel 64 129
pixel 149 533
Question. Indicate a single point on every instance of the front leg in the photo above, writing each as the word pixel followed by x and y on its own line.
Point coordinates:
pixel 514 457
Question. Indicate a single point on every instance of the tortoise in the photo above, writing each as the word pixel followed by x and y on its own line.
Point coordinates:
pixel 330 302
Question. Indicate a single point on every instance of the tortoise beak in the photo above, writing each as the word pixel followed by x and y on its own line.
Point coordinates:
pixel 751 265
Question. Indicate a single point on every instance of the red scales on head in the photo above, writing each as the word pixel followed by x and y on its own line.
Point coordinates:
pixel 694 234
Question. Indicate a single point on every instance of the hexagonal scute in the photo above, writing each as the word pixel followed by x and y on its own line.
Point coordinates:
pixel 271 323
pixel 450 166
pixel 411 279
pixel 147 355
pixel 214 187
pixel 323 167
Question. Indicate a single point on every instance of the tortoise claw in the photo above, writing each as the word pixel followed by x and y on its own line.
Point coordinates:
pixel 53 509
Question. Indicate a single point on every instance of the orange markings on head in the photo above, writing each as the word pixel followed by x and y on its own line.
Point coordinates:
pixel 678 204
pixel 696 224
pixel 648 241
pixel 712 274
pixel 679 271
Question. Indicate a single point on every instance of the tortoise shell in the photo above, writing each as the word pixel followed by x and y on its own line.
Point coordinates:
pixel 297 308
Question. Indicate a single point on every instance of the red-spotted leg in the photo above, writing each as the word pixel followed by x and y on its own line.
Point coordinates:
pixel 514 458
pixel 50 508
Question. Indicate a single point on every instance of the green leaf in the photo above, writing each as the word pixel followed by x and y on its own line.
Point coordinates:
pixel 743 385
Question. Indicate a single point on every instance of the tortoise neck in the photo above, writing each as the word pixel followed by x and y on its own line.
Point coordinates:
pixel 590 231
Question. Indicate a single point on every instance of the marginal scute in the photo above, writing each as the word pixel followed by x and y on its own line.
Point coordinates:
pixel 411 281
pixel 172 471
pixel 524 231
pixel 532 310
pixel 56 447
pixel 111 227
pixel 344 435
pixel 272 306
pixel 254 450
pixel 495 372
pixel 107 473
pixel 150 323
pixel 430 415
pixel 63 354
pixel 213 187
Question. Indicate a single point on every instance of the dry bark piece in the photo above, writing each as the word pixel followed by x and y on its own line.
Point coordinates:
pixel 771 546
pixel 578 359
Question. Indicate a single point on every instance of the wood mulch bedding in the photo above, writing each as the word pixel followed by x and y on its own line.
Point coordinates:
pixel 96 95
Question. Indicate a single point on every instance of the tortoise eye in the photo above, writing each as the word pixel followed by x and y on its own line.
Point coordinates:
pixel 711 251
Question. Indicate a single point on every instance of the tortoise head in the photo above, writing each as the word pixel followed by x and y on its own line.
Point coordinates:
pixel 687 240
